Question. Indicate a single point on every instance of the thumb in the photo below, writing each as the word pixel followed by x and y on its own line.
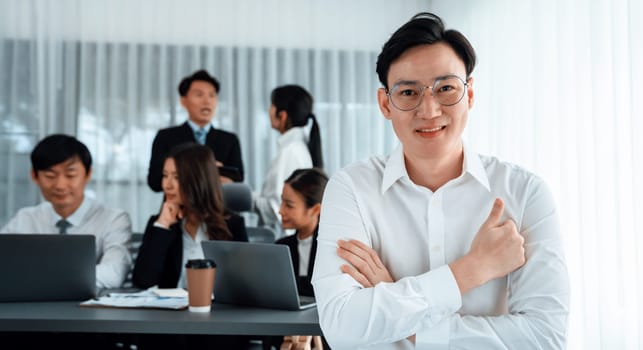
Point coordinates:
pixel 495 214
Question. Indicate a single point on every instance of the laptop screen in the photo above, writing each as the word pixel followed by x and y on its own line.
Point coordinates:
pixel 47 267
pixel 254 274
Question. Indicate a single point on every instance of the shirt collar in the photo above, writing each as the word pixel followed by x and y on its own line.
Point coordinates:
pixel 201 234
pixel 195 127
pixel 473 165
pixel 297 133
pixel 395 168
pixel 76 218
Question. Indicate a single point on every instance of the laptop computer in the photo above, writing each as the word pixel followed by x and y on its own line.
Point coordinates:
pixel 47 267
pixel 255 274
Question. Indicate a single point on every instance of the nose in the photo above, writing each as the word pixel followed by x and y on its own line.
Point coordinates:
pixel 429 106
pixel 60 182
pixel 167 184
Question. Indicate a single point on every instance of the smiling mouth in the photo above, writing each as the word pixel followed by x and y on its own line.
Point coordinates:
pixel 438 128
pixel 206 110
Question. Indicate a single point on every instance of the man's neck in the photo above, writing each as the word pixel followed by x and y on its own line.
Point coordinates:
pixel 67 210
pixel 200 125
pixel 434 172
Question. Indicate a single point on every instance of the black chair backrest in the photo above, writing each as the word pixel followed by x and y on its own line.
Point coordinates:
pixel 237 197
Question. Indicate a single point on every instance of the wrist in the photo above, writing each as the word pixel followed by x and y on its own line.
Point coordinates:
pixel 161 223
pixel 469 273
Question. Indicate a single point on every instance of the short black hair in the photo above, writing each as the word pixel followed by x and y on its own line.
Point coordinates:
pixel 200 75
pixel 423 29
pixel 57 148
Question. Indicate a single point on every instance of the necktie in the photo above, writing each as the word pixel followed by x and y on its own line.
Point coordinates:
pixel 62 225
pixel 200 136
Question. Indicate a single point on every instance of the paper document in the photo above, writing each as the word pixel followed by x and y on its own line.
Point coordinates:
pixel 154 298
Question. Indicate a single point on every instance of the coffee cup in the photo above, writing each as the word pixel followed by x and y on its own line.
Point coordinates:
pixel 200 281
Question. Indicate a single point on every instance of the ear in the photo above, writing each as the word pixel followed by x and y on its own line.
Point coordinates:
pixel 183 101
pixel 88 176
pixel 470 93
pixel 34 177
pixel 384 103
pixel 315 209
pixel 283 120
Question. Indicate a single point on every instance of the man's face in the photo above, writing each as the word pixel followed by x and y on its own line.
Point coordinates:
pixel 200 102
pixel 431 130
pixel 63 184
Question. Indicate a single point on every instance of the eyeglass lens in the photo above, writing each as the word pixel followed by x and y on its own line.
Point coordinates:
pixel 447 91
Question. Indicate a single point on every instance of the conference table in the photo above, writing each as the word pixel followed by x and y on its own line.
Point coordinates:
pixel 69 316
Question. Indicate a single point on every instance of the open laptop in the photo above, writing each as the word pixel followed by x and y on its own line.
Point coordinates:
pixel 255 274
pixel 47 267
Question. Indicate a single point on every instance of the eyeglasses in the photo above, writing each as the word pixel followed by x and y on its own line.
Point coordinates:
pixel 447 90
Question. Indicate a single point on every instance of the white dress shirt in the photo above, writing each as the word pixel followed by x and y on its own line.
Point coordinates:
pixel 416 233
pixel 303 249
pixel 111 227
pixel 292 154
pixel 191 250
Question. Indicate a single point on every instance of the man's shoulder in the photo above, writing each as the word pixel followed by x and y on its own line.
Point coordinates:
pixel 224 133
pixel 34 210
pixel 100 209
pixel 171 130
pixel 507 171
pixel 366 172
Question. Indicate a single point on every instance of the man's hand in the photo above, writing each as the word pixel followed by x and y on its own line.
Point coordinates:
pixel 496 250
pixel 365 265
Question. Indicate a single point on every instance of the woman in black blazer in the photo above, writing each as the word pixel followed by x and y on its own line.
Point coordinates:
pixel 192 211
pixel 300 205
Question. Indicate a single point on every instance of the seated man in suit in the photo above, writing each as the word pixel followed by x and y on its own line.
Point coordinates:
pixel 199 93
pixel 61 167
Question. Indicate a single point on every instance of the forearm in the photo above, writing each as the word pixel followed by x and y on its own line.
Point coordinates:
pixel 152 256
pixel 352 316
pixel 115 260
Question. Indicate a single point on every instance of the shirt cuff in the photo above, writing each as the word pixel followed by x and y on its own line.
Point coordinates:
pixel 157 224
pixel 443 295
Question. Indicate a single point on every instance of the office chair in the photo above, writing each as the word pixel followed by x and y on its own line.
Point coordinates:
pixel 260 234
pixel 237 197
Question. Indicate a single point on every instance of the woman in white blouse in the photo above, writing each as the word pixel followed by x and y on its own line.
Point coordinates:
pixel 290 111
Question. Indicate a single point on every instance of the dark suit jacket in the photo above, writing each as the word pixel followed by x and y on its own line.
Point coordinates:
pixel 161 252
pixel 225 146
pixel 303 282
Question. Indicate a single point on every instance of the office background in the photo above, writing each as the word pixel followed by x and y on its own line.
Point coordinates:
pixel 555 85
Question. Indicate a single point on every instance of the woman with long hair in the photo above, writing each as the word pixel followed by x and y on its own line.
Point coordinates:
pixel 290 112
pixel 193 211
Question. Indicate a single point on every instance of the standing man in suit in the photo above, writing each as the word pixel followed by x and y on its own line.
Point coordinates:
pixel 199 93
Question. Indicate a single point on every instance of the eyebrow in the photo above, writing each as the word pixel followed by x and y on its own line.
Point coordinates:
pixel 439 77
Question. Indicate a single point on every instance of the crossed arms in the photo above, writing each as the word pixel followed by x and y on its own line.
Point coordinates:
pixel 366 299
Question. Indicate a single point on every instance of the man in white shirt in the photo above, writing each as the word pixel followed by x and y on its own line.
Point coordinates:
pixel 61 167
pixel 435 246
